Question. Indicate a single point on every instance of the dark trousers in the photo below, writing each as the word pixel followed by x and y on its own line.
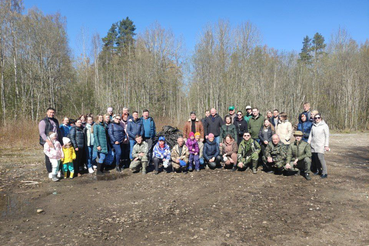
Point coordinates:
pixel 149 142
pixel 48 164
pixel 118 148
pixel 78 162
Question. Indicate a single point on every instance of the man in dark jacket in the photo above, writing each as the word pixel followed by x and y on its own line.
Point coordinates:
pixel 47 125
pixel 203 120
pixel 241 126
pixel 275 118
pixel 134 128
pixel 211 152
pixel 213 124
pixel 306 112
pixel 150 132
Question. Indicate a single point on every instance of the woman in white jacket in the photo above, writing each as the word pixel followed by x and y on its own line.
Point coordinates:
pixel 284 129
pixel 319 141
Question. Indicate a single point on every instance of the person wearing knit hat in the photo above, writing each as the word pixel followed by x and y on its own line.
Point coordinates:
pixel 193 148
pixel 54 153
pixel 299 156
pixel 201 149
pixel 211 152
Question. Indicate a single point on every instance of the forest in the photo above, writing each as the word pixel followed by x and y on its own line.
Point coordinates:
pixel 152 69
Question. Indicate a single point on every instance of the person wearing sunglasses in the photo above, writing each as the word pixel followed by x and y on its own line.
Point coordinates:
pixel 248 153
pixel 241 126
pixel 319 141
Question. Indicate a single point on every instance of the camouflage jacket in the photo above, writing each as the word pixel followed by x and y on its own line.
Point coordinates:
pixel 277 152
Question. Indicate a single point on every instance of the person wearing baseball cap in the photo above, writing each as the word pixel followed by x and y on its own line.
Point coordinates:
pixel 161 154
pixel 248 114
pixel 231 113
pixel 299 156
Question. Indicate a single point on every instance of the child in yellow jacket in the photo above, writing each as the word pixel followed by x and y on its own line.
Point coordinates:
pixel 69 156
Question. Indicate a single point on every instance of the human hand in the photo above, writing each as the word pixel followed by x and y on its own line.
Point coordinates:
pixel 270 159
pixel 76 149
pixel 265 142
pixel 288 166
pixel 141 154
pixel 50 143
pixel 295 162
pixel 326 148
pixel 98 148
pixel 116 142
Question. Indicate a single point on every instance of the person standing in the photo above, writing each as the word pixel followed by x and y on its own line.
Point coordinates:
pixel 193 125
pixel 248 115
pixel 193 148
pixel 47 125
pixel 228 129
pixel 275 118
pixel 101 143
pixel 109 111
pixel 306 111
pixel 319 141
pixel 241 126
pixel 90 151
pixel 265 135
pixel 117 135
pixel 126 149
pixel 149 132
pixel 304 126
pixel 284 129
pixel 65 127
pixel 55 154
pixel 232 113
pixel 78 139
pixel 213 124
pixel 203 120
pixel 255 123
pixel 134 128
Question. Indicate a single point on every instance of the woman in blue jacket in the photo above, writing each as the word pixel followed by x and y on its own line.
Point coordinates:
pixel 304 126
pixel 117 135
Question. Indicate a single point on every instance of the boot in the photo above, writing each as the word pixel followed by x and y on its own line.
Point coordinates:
pixel 307 176
pixel 234 168
pixel 117 168
pixel 99 169
pixel 144 163
pixel 65 175
pixel 254 166
pixel 71 175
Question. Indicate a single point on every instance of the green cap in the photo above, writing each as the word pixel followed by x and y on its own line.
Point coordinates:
pixel 231 108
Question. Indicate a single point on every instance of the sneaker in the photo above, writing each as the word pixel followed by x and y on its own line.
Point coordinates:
pixel 254 170
pixel 270 172
pixel 90 170
pixel 54 178
pixel 50 175
pixel 65 174
pixel 59 174
pixel 117 168
pixel 197 170
pixel 307 176
pixel 317 173
pixel 324 176
pixel 156 172
pixel 190 169
pixel 234 169
pixel 94 166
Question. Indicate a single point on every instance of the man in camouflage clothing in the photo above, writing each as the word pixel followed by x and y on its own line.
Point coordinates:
pixel 139 154
pixel 248 152
pixel 299 156
pixel 275 155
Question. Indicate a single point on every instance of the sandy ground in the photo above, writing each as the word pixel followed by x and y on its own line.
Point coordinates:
pixel 212 207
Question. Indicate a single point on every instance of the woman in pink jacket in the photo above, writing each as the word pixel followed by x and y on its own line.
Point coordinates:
pixel 55 153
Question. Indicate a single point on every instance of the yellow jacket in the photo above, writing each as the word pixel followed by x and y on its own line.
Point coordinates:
pixel 69 155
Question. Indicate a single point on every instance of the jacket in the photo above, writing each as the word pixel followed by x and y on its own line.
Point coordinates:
pixel 161 153
pixel 298 150
pixel 198 126
pixel 284 131
pixel 247 117
pixel 228 129
pixel 77 137
pixel 54 153
pixel 255 123
pixel 274 120
pixel 192 144
pixel 319 137
pixel 45 127
pixel 116 133
pixel 241 126
pixel 100 137
pixel 229 148
pixel 64 130
pixel 247 149
pixel 140 148
pixel 305 127
pixel 211 149
pixel 213 125
pixel 149 127
pixel 69 155
pixel 89 135
pixel 183 156
pixel 135 128
pixel 278 152
pixel 307 114
pixel 270 133
pixel 201 149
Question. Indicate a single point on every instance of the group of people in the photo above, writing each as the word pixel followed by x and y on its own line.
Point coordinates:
pixel 237 142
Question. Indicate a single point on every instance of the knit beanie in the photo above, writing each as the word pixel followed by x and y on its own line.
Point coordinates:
pixel 192 134
pixel 66 140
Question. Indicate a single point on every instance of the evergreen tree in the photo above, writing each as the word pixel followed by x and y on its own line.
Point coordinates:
pixel 305 51
pixel 318 45
pixel 126 32
pixel 111 38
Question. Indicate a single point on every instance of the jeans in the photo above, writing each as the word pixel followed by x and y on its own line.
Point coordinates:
pixel 201 160
pixel 118 153
pixel 217 139
pixel 194 158
pixel 131 144
pixel 101 156
pixel 91 156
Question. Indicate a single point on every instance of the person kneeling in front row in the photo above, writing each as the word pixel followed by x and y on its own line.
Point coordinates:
pixel 179 156
pixel 248 153
pixel 299 156
pixel 139 154
pixel 161 154
pixel 211 152
pixel 275 155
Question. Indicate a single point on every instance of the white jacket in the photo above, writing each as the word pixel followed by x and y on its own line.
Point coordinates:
pixel 319 137
pixel 284 131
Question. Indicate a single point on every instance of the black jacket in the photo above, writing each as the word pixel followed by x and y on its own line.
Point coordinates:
pixel 77 137
pixel 213 124
pixel 241 126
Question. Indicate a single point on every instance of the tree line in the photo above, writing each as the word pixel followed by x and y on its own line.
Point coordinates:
pixel 151 69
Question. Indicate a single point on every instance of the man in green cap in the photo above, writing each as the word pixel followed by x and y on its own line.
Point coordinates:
pixel 248 153
pixel 299 156
pixel 275 155
pixel 232 112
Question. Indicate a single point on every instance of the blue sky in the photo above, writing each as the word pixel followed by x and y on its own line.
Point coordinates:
pixel 283 24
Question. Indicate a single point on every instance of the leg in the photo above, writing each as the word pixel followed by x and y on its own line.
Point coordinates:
pixel 48 164
pixel 307 165
pixel 131 144
pixel 135 165
pixel 156 163
pixel 118 154
pixel 89 151
pixel 218 159
pixel 217 139
pixel 315 163
pixel 197 162
pixel 100 163
pixel 202 161
pixel 322 163
pixel 176 167
pixel 190 160
pixel 149 148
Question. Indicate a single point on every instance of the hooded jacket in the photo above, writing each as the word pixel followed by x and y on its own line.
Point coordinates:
pixel 228 130
pixel 149 127
pixel 319 137
pixel 305 127
pixel 229 148
pixel 241 126
pixel 54 153
pixel 269 134
pixel 211 149
pixel 284 131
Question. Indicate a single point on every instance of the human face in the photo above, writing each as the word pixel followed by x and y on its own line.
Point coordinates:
pixel 90 120
pixel 197 137
pixel 298 138
pixel 107 119
pixel 193 116
pixel 50 113
pixel 78 123
pixel 161 142
pixel 125 111
pixel 239 115
pixel 180 141
pixel 192 137
pixel 228 120
pixel 207 113
pixel 317 118
pixel 275 113
pixel 246 136
pixel 255 112
pixel 269 114
pixel 307 107
pixel 211 139
pixel 135 116
pixel 83 119
pixel 54 138
pixel 145 115
pixel 110 112
pixel 66 121
pixel 213 111
pixel 100 118
pixel 231 112
pixel 303 118
pixel 117 119
pixel 139 140
pixel 248 111
pixel 266 123
pixel 275 139
pixel 228 140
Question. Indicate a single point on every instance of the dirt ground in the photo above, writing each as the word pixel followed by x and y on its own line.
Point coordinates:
pixel 212 207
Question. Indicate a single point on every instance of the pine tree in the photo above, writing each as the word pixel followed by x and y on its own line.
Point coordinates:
pixel 305 51
pixel 318 45
pixel 126 32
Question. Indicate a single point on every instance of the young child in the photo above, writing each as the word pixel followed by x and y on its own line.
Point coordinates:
pixel 69 156
pixel 193 148
pixel 54 153
pixel 201 147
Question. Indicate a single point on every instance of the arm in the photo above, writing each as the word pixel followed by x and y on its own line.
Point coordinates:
pixel 310 135
pixel 261 135
pixel 73 137
pixel 289 128
pixel 96 136
pixel 204 152
pixel 111 134
pixel 41 129
pixel 201 129
pixel 307 153
pixel 235 133
pixel 153 128
pixel 326 134
pixel 73 154
pixel 142 131
pixel 240 155
pixel 289 154
pixel 185 131
pixel 221 135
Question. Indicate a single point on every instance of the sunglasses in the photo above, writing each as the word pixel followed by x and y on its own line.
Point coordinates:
pixel 246 135
pixel 316 117
pixel 239 114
